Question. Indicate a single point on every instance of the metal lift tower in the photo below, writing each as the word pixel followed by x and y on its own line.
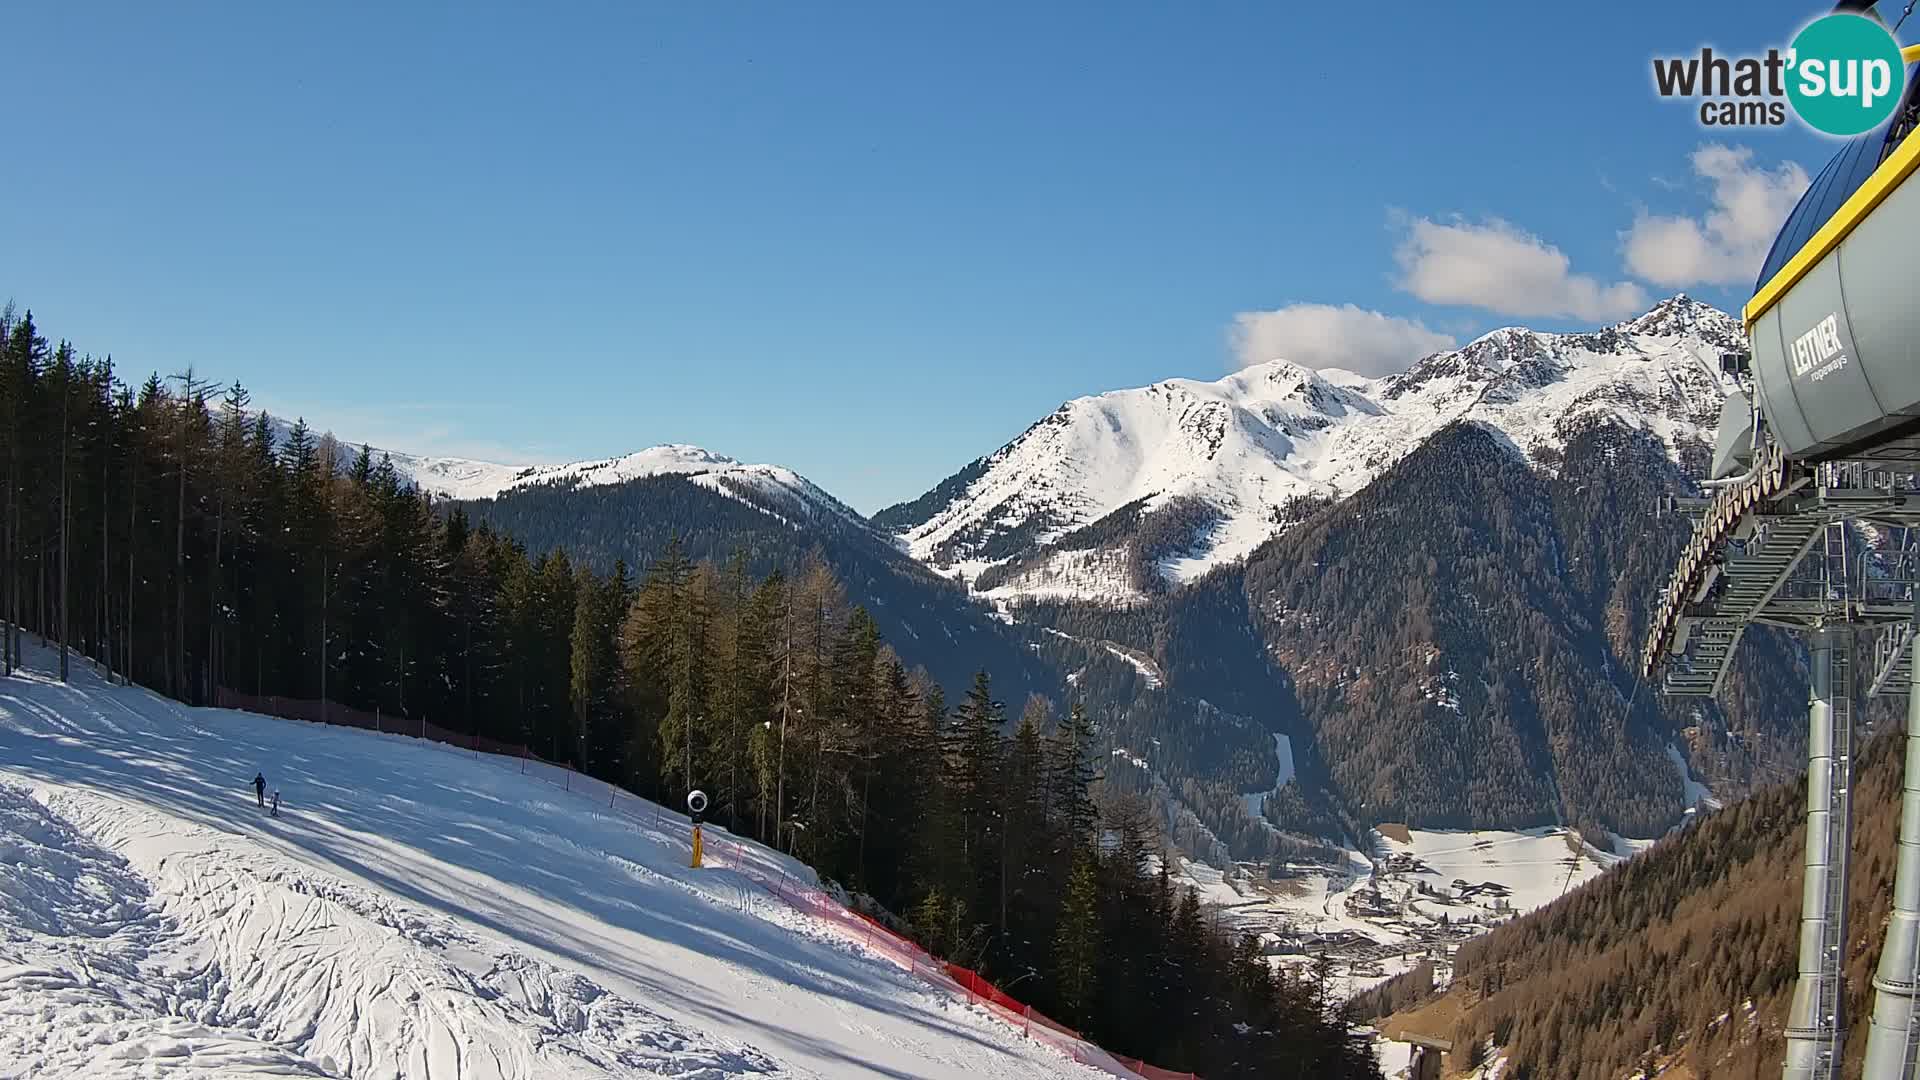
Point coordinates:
pixel 1821 442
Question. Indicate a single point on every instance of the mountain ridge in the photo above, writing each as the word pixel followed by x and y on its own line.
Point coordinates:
pixel 1215 468
pixel 1249 445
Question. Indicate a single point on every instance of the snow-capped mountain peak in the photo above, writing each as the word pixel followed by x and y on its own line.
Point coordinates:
pixel 775 489
pixel 1233 455
pixel 1681 315
pixel 1284 380
pixel 665 459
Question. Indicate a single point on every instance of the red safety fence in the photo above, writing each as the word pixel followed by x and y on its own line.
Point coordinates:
pixel 909 956
pixel 808 899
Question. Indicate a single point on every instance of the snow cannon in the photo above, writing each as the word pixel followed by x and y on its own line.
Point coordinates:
pixel 696 810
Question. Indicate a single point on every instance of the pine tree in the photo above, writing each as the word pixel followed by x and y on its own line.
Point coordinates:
pixel 931 919
pixel 818 600
pixel 591 687
pixel 662 645
pixel 1025 842
pixel 905 763
pixel 974 770
pixel 1077 943
pixel 1190 976
pixel 734 661
pixel 939 858
pixel 1071 774
pixel 61 384
pixel 765 740
pixel 190 426
pixel 26 355
pixel 853 734
pixel 687 685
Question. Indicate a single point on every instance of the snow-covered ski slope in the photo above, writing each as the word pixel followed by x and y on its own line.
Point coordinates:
pixel 415 911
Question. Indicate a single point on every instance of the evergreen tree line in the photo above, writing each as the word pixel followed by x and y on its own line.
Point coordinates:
pixel 174 536
pixel 930 619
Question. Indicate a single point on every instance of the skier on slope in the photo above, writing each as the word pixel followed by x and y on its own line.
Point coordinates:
pixel 276 803
pixel 260 789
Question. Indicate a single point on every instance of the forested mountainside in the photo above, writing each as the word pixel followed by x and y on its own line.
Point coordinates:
pixel 168 536
pixel 1193 699
pixel 1202 746
pixel 1462 633
pixel 1453 646
pixel 1435 644
pixel 1442 623
pixel 1685 953
pixel 931 620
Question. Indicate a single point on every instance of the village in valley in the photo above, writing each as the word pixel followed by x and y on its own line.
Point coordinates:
pixel 1415 896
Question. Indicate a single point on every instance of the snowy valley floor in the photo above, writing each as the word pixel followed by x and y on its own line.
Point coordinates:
pixel 415 912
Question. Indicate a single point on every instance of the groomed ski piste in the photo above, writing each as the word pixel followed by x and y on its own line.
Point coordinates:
pixel 416 912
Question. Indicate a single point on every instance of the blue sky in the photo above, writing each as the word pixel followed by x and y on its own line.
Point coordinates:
pixel 869 241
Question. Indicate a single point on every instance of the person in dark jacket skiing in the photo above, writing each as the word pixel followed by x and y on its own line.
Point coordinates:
pixel 260 789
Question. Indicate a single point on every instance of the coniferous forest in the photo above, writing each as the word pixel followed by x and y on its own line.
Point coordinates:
pixel 171 535
pixel 1683 956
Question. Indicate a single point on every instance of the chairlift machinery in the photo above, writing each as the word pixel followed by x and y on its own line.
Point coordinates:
pixel 1821 437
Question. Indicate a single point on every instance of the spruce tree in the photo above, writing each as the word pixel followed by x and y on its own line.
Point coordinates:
pixel 974 763
pixel 1077 942
pixel 1071 775
pixel 1025 840
pixel 591 643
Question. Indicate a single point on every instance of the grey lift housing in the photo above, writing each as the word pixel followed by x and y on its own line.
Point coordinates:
pixel 1835 359
pixel 1733 449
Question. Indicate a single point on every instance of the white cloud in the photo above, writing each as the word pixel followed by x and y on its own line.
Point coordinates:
pixel 1499 267
pixel 1728 245
pixel 1322 335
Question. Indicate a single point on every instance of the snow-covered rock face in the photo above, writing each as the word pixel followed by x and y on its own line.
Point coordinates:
pixel 1253 442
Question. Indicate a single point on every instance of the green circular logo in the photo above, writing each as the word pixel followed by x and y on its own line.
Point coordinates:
pixel 1845 74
